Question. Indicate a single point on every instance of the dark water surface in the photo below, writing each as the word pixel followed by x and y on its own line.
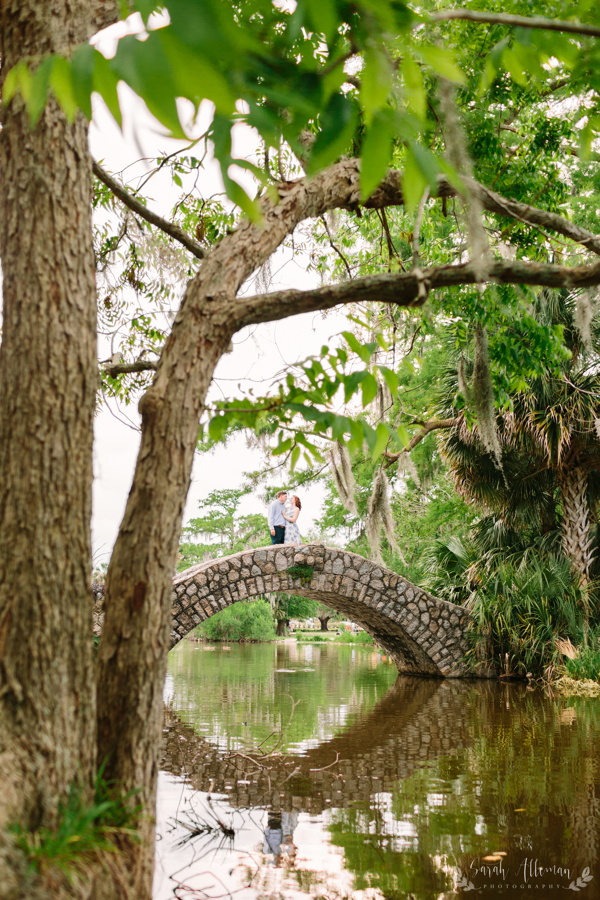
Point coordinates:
pixel 294 771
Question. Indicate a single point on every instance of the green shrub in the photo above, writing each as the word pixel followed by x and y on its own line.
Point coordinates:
pixel 586 665
pixel 304 573
pixel 243 621
pixel 521 610
pixel 319 638
pixel 349 637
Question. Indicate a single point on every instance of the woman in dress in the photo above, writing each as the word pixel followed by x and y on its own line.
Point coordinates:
pixel 292 532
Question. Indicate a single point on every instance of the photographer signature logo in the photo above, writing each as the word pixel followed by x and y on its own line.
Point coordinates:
pixel 492 873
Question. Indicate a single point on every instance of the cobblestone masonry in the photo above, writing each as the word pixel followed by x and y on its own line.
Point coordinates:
pixel 423 635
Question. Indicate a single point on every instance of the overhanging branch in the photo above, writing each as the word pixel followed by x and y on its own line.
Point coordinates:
pixel 471 15
pixel 403 288
pixel 139 209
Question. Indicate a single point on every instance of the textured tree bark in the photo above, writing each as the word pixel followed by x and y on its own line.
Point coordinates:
pixel 576 521
pixel 48 381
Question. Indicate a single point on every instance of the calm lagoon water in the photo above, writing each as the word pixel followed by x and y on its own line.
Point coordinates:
pixel 295 770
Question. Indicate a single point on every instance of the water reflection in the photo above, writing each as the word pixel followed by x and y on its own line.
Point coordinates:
pixel 436 789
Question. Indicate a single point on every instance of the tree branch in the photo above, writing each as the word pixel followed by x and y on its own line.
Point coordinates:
pixel 389 193
pixel 130 368
pixel 471 15
pixel 532 215
pixel 402 288
pixel 428 427
pixel 139 209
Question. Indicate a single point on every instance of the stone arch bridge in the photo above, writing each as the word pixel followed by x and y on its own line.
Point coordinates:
pixel 422 634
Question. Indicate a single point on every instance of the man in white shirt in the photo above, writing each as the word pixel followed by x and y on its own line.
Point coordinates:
pixel 276 520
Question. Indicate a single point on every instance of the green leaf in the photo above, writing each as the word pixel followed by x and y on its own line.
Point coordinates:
pixel 414 88
pixel 323 15
pixel 194 75
pixel 40 85
pixel 528 59
pixel 217 427
pixel 294 457
pixel 368 389
pixel 361 350
pixel 282 447
pixel 338 122
pixel 383 436
pixel 105 82
pixel 403 435
pixel 442 62
pixel 18 80
pixel 11 85
pixel 375 82
pixel 221 136
pixel 370 436
pixel 512 65
pixel 391 378
pixel 83 63
pixel 376 151
pixel 145 66
pixel 61 84
pixel 487 76
pixel 420 170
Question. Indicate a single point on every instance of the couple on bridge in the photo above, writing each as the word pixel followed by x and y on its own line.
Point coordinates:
pixel 282 520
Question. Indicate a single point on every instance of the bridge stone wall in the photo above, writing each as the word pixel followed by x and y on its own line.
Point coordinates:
pixel 422 634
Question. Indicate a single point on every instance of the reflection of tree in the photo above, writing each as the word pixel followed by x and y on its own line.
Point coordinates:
pixel 240 698
pixel 529 781
pixel 433 776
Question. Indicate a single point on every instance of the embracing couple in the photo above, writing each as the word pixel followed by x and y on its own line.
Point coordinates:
pixel 282 520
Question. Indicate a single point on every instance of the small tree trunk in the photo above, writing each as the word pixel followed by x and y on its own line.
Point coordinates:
pixel 48 382
pixel 281 627
pixel 324 622
pixel 576 522
pixel 577 540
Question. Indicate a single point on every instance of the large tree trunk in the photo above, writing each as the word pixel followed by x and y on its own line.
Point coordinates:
pixel 48 381
pixel 576 522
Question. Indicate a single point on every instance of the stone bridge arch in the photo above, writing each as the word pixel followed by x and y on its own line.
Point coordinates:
pixel 422 634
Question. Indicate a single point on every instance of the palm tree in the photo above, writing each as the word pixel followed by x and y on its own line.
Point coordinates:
pixel 550 443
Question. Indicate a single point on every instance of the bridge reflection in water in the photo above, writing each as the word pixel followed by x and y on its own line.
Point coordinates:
pixel 414 723
pixel 437 775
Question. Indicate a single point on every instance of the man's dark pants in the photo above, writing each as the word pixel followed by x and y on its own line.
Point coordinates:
pixel 279 536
